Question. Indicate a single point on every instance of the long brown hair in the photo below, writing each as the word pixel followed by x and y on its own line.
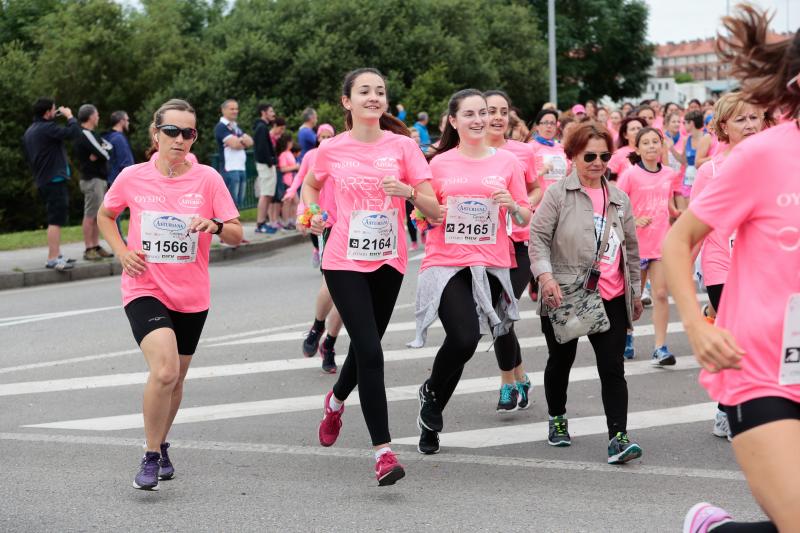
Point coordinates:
pixel 387 121
pixel 763 67
pixel 450 138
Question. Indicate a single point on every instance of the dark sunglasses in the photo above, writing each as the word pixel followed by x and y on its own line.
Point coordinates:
pixel 170 130
pixel 591 156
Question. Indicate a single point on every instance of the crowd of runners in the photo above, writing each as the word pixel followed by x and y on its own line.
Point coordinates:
pixel 594 213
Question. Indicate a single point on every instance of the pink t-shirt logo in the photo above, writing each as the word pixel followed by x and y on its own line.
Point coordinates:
pixel 192 200
pixel 347 163
pixel 149 199
pixel 495 182
pixel 386 163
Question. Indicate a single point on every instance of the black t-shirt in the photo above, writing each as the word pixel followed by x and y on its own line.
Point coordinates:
pixel 87 145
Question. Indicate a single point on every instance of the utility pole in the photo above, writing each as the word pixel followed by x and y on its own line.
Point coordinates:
pixel 551 38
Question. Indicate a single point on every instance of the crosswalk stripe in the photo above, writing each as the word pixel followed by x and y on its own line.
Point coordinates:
pixel 304 403
pixel 240 369
pixel 578 427
pixel 416 460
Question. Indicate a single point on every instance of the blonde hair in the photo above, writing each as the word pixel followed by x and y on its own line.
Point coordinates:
pixel 728 106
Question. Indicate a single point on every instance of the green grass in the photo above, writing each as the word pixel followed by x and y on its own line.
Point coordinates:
pixel 38 237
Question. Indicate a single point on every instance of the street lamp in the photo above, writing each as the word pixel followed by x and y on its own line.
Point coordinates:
pixel 551 40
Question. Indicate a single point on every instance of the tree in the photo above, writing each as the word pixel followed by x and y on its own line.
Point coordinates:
pixel 683 77
pixel 602 48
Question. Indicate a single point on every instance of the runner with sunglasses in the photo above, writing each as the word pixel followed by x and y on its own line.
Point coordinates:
pixel 750 357
pixel 464 279
pixel 376 166
pixel 650 186
pixel 566 239
pixel 514 383
pixel 176 206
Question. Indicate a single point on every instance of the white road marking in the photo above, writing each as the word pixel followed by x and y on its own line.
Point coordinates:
pixel 260 367
pixel 578 427
pixel 16 320
pixel 362 455
pixel 303 403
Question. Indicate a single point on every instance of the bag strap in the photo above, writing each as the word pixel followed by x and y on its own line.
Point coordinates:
pixel 606 231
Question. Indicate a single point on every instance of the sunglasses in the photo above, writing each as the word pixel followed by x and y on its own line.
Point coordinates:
pixel 173 131
pixel 588 157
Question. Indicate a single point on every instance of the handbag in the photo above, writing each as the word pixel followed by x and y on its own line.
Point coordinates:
pixel 581 311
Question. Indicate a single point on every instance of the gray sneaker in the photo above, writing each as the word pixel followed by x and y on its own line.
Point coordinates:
pixel 722 427
pixel 59 264
pixel 559 434
pixel 621 449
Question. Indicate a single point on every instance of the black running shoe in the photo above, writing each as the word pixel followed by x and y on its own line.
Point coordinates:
pixel 430 414
pixel 328 359
pixel 523 388
pixel 311 342
pixel 428 441
pixel 559 436
pixel 508 398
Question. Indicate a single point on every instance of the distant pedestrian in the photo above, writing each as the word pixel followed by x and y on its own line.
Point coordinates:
pixel 306 136
pixel 266 162
pixel 421 125
pixel 232 143
pixel 121 153
pixel 93 155
pixel 43 143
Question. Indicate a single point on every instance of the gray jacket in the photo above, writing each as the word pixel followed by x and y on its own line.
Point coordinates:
pixel 563 239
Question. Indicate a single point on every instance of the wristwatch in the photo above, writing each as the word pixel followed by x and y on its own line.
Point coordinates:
pixel 219 224
pixel 413 195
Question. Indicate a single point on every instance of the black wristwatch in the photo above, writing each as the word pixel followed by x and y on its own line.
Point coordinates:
pixel 219 224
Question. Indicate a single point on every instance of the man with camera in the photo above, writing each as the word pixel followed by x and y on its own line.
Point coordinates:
pixel 43 143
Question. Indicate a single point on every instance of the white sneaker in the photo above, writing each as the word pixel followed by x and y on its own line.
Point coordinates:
pixel 722 428
pixel 647 300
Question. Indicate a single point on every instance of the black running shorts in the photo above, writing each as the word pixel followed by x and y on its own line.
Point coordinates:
pixel 148 314
pixel 760 411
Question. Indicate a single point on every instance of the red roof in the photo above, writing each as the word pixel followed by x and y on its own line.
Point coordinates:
pixel 702 46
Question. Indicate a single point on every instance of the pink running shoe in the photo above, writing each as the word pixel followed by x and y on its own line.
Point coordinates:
pixel 702 516
pixel 331 423
pixel 387 470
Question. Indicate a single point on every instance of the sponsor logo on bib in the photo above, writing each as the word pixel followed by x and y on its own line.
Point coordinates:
pixel 149 199
pixel 169 223
pixel 473 208
pixel 376 221
pixel 385 163
pixel 495 182
pixel 192 200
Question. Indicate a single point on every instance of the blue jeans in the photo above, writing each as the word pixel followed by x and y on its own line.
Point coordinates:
pixel 235 181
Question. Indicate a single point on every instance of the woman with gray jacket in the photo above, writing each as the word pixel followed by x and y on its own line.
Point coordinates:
pixel 567 232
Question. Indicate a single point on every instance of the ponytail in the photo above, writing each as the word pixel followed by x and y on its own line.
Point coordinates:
pixel 763 67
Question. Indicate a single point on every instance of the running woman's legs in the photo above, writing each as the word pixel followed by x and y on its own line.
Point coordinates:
pixel 506 347
pixel 160 350
pixel 355 294
pixel 658 284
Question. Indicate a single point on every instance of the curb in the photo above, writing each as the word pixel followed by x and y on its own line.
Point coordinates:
pixel 44 276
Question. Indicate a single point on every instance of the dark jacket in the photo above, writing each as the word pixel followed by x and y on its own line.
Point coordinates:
pixel 263 148
pixel 121 153
pixel 43 144
pixel 87 145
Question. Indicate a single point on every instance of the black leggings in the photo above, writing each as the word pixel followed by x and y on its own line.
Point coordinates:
pixel 608 349
pixel 715 295
pixel 365 301
pixel 462 332
pixel 506 347
pixel 314 241
pixel 412 230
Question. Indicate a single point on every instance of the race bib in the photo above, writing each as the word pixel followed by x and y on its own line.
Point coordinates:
pixel 673 163
pixel 166 238
pixel 688 177
pixel 471 220
pixel 558 166
pixel 790 349
pixel 372 235
pixel 609 255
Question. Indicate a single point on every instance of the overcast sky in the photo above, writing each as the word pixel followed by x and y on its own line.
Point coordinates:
pixel 677 20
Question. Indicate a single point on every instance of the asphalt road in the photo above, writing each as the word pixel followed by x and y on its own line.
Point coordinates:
pixel 245 447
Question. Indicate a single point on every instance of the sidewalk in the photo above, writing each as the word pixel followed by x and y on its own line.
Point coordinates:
pixel 25 268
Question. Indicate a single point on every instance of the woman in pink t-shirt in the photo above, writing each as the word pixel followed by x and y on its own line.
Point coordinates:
pixel 376 166
pixel 468 256
pixel 287 166
pixel 626 144
pixel 550 162
pixel 650 185
pixel 734 120
pixel 750 357
pixel 514 382
pixel 614 123
pixel 175 207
